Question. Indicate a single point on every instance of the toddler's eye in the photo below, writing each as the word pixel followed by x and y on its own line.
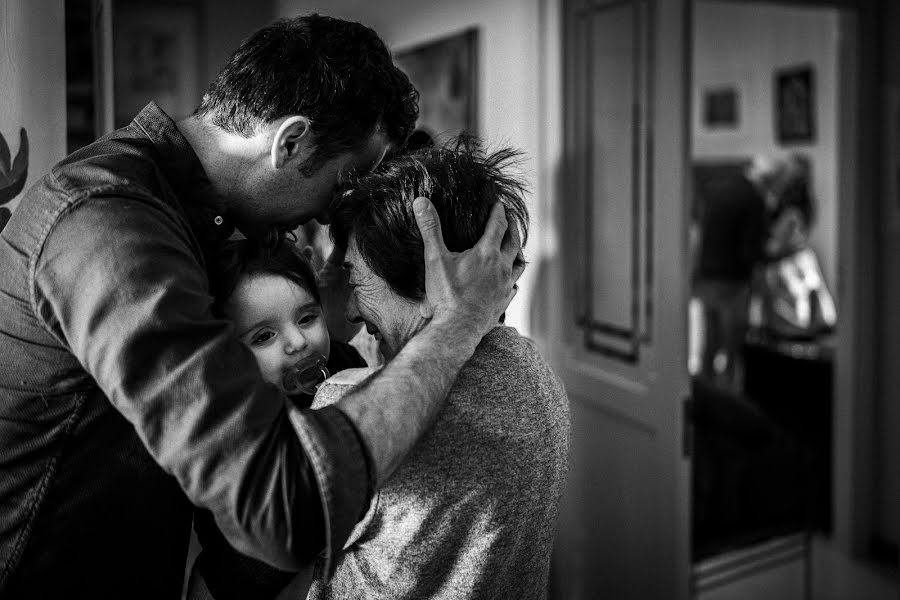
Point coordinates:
pixel 307 319
pixel 262 337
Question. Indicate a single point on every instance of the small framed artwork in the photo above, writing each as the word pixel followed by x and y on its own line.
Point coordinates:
pixel 795 107
pixel 721 108
pixel 156 54
pixel 445 72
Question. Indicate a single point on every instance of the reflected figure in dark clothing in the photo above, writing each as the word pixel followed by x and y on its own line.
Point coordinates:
pixel 733 230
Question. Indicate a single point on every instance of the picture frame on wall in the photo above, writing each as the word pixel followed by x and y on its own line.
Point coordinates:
pixel 445 72
pixel 156 56
pixel 795 105
pixel 721 108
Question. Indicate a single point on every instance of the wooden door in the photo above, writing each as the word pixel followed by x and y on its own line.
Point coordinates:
pixel 622 298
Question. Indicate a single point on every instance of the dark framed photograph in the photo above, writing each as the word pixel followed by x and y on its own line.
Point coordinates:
pixel 445 72
pixel 721 108
pixel 156 53
pixel 795 106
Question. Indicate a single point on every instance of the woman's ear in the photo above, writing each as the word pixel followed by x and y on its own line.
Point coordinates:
pixel 292 136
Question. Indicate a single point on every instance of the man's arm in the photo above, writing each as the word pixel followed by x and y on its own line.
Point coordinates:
pixel 120 283
pixel 467 292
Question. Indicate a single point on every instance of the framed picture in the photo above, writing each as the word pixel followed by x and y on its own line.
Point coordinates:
pixel 795 105
pixel 446 74
pixel 155 57
pixel 721 108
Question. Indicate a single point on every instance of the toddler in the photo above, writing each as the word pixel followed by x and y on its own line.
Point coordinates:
pixel 273 300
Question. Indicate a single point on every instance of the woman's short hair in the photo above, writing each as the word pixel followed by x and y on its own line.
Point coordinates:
pixel 240 258
pixel 461 180
pixel 338 74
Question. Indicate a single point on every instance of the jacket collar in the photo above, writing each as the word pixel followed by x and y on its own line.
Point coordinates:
pixel 182 169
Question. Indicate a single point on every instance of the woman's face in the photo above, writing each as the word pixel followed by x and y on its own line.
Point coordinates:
pixel 391 318
pixel 279 321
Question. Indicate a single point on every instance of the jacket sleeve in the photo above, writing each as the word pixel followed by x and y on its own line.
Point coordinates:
pixel 120 282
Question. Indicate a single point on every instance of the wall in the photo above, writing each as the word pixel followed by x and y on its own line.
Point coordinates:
pixel 508 81
pixel 226 24
pixel 32 72
pixel 743 45
pixel 887 510
pixel 221 25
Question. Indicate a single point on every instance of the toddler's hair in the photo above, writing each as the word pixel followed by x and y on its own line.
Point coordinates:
pixel 240 258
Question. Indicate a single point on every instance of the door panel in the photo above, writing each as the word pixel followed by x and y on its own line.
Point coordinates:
pixel 622 299
pixel 614 506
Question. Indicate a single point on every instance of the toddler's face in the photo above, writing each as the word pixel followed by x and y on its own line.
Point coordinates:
pixel 279 321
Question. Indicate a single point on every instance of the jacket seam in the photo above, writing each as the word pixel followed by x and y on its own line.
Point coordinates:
pixel 72 202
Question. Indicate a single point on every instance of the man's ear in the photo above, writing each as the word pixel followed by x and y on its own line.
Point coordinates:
pixel 292 136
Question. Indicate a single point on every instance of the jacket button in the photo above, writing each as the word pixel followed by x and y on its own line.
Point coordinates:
pixel 218 220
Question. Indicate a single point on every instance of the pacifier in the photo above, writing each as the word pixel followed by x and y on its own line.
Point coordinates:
pixel 306 375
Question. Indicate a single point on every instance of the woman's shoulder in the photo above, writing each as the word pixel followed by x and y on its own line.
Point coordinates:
pixel 351 376
pixel 505 344
pixel 339 384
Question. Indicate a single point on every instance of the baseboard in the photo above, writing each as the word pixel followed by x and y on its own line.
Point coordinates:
pixel 737 564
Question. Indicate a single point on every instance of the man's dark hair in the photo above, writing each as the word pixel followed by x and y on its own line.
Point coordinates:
pixel 240 258
pixel 338 74
pixel 462 181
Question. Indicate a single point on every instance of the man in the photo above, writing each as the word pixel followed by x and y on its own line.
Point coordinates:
pixel 733 230
pixel 122 400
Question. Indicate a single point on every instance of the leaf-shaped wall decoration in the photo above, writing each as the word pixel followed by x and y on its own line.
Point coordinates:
pixel 13 174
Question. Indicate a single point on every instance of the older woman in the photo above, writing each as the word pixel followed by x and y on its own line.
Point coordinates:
pixel 471 513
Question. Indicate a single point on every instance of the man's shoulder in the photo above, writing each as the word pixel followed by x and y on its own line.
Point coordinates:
pixel 123 163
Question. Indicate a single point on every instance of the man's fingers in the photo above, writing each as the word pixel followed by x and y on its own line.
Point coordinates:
pixel 495 229
pixel 425 309
pixel 510 296
pixel 518 268
pixel 430 228
pixel 512 244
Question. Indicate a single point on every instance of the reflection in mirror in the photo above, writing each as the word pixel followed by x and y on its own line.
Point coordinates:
pixel 764 322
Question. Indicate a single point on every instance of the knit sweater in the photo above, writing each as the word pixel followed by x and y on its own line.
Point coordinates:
pixel 471 512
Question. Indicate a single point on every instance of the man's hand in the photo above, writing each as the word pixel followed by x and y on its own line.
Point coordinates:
pixel 476 286
pixel 467 292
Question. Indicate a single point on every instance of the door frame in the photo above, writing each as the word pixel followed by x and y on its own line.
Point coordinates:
pixel 855 381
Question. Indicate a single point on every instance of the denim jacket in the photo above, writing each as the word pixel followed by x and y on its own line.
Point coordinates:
pixel 123 400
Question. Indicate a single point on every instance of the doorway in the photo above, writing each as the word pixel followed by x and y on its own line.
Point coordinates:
pixel 773 151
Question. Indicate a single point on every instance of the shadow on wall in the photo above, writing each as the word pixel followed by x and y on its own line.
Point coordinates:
pixel 13 173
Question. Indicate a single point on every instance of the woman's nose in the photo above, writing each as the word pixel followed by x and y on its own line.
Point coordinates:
pixel 352 310
pixel 295 341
